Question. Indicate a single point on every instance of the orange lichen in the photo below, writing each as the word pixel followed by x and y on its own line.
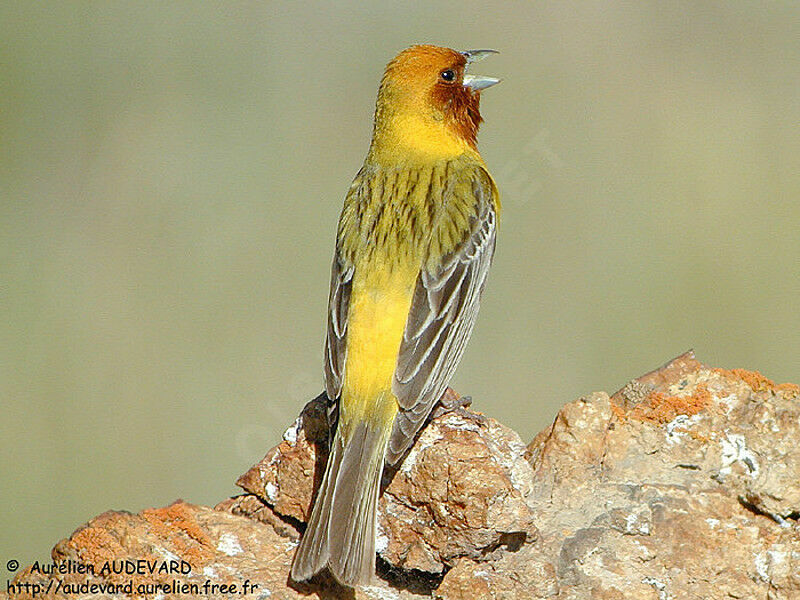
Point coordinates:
pixel 176 523
pixel 660 408
pixel 618 411
pixel 760 383
pixel 790 389
pixel 95 545
pixel 694 435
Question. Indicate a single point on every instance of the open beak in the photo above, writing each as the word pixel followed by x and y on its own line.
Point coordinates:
pixel 478 82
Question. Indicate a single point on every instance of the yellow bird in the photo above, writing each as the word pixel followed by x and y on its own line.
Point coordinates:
pixel 415 240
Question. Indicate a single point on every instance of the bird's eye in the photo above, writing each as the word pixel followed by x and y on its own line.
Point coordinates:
pixel 448 75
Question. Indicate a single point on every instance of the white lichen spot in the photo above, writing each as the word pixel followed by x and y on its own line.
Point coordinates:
pixel 507 450
pixel 635 524
pixel 381 540
pixel 380 592
pixel 645 553
pixel 429 436
pixel 729 402
pixel 777 556
pixel 676 429
pixel 734 449
pixel 713 523
pixel 271 490
pixel 209 572
pixel 762 566
pixel 228 544
pixel 290 435
pixel 766 563
pixel 673 437
pixel 768 419
pixel 159 596
pixel 441 511
pixel 660 586
pixel 456 421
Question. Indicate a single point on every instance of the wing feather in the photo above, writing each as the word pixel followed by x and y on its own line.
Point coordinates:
pixel 336 339
pixel 442 315
pixel 342 270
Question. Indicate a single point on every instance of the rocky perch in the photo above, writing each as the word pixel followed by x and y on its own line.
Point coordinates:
pixel 684 484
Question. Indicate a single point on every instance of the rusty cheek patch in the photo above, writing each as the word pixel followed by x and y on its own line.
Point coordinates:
pixel 459 106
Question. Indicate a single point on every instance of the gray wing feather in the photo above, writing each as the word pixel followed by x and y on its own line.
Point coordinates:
pixel 442 316
pixel 336 339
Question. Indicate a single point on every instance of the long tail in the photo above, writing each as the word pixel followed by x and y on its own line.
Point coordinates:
pixel 341 531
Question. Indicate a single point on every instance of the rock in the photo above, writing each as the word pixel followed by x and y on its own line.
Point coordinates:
pixel 461 491
pixel 287 476
pixel 164 552
pixel 684 484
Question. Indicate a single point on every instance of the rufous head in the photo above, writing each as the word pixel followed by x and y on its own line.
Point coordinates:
pixel 428 103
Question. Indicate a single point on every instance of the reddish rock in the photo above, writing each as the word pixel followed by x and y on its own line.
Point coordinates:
pixel 461 491
pixel 684 484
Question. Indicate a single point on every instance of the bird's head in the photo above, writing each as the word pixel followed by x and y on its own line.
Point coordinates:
pixel 428 106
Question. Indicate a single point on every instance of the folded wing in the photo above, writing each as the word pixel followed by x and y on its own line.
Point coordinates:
pixel 443 312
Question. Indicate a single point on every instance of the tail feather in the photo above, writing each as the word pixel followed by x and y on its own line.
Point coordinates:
pixel 353 518
pixel 341 530
pixel 313 552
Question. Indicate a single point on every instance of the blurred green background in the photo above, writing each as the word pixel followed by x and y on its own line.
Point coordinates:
pixel 171 175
